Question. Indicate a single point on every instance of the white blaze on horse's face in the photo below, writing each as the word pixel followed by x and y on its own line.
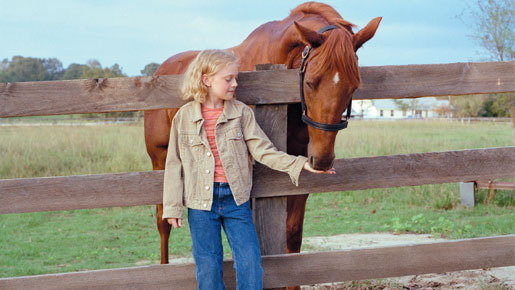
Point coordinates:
pixel 336 78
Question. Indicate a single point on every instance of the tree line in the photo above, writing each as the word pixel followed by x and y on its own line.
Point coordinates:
pixel 487 105
pixel 30 69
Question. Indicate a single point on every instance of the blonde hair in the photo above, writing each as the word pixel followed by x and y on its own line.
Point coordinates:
pixel 208 62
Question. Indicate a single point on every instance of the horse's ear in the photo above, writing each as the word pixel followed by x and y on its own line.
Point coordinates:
pixel 308 36
pixel 366 33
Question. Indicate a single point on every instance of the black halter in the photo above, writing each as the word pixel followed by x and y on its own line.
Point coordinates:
pixel 327 127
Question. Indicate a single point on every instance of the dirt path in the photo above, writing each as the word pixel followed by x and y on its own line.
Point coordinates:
pixel 494 278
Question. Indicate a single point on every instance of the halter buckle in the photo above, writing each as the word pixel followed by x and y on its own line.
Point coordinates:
pixel 305 55
pixel 306 51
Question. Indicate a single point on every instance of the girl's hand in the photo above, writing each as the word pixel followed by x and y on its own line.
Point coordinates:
pixel 309 168
pixel 175 222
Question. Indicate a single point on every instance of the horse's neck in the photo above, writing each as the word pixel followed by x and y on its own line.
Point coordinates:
pixel 267 45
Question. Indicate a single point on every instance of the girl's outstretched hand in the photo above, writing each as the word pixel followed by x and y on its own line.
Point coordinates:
pixel 309 168
pixel 175 222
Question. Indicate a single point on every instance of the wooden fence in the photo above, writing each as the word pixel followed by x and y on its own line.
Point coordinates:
pixel 270 188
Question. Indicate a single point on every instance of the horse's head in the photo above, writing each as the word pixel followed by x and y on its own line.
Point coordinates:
pixel 331 75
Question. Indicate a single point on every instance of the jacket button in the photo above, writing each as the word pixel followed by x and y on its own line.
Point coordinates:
pixel 206 187
pixel 239 134
pixel 191 140
pixel 208 153
pixel 207 171
pixel 205 204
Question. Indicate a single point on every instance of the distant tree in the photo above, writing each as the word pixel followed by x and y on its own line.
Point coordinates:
pixel 149 69
pixel 4 64
pixel 443 110
pixel 116 71
pixel 493 27
pixel 364 105
pixel 93 69
pixel 492 23
pixel 411 104
pixel 25 69
pixel 502 104
pixel 467 106
pixel 54 67
pixel 402 105
pixel 93 63
pixel 74 71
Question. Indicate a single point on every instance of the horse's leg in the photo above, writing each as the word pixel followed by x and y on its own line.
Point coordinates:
pixel 295 222
pixel 296 204
pixel 164 229
pixel 157 132
pixel 297 141
pixel 294 225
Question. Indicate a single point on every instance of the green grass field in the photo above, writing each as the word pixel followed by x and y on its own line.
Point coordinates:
pixel 65 241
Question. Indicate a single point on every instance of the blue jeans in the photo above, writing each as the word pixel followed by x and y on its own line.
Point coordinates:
pixel 205 228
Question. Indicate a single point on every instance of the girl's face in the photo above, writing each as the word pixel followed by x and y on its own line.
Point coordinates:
pixel 222 85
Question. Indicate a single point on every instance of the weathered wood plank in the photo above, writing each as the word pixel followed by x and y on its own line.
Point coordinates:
pixel 142 188
pixel 178 276
pixel 81 191
pixel 294 269
pixel 384 82
pixel 307 269
pixel 397 170
pixel 260 87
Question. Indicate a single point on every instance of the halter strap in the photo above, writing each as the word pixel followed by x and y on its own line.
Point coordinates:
pixel 329 27
pixel 326 127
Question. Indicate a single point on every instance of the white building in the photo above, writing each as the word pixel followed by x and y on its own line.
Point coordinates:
pixel 389 109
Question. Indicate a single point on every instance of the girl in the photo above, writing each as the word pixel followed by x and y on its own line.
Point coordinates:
pixel 208 170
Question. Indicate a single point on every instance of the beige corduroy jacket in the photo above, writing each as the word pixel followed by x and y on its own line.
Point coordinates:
pixel 189 171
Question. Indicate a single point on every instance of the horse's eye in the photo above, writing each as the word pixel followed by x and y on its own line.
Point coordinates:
pixel 309 85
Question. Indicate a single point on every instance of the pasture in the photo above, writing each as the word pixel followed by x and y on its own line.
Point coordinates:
pixel 65 241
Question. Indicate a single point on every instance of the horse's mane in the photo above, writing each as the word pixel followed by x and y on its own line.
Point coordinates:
pixel 325 11
pixel 337 51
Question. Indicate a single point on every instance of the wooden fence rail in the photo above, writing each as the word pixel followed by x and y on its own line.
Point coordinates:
pixel 144 93
pixel 125 189
pixel 294 269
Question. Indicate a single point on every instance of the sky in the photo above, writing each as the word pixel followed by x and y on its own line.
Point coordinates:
pixel 135 33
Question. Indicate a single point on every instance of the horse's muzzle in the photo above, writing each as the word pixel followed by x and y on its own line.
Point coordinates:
pixel 321 163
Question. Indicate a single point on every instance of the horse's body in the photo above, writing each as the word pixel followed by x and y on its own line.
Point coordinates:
pixel 330 81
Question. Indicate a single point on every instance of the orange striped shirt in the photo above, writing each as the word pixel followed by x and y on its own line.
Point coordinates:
pixel 210 118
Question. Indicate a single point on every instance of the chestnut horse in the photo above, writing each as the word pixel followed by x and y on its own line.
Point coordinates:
pixel 330 77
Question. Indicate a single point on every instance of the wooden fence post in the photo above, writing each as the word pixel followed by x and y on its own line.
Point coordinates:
pixel 270 213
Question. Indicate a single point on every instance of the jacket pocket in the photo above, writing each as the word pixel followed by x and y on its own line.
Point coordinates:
pixel 191 147
pixel 236 141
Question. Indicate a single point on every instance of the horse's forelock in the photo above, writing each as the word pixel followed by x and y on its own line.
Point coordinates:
pixel 337 53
